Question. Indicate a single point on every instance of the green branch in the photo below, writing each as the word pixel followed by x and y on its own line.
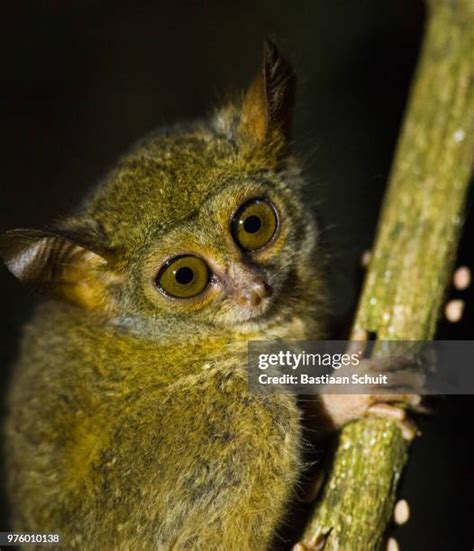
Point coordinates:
pixel 412 261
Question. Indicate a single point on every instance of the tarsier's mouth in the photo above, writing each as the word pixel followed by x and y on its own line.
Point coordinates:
pixel 260 313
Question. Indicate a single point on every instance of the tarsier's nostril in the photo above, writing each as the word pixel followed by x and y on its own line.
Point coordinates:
pixel 249 299
pixel 268 290
pixel 254 292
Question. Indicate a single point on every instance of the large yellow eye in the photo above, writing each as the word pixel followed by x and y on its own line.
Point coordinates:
pixel 254 224
pixel 183 276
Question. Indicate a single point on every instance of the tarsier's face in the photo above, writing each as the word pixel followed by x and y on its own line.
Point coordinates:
pixel 200 226
pixel 245 258
pixel 202 275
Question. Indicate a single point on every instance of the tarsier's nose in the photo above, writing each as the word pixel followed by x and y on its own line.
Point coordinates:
pixel 252 294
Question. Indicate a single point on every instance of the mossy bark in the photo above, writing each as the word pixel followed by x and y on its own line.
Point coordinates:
pixel 410 269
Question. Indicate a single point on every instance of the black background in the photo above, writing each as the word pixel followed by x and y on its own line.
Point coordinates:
pixel 81 81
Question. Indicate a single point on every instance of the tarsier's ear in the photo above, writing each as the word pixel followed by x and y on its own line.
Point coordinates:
pixel 54 263
pixel 267 106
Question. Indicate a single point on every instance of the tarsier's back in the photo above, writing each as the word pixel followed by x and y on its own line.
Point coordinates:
pixel 130 423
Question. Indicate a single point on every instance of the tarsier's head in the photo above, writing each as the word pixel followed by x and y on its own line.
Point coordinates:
pixel 200 225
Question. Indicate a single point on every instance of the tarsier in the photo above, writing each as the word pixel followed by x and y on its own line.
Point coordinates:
pixel 130 422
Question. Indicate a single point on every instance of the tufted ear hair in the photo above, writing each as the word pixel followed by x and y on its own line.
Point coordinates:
pixel 58 263
pixel 267 107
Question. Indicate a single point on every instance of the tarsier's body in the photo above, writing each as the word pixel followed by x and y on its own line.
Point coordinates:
pixel 131 425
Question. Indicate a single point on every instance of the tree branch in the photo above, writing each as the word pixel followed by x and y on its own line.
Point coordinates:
pixel 416 243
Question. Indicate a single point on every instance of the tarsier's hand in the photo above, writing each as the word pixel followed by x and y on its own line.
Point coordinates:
pixel 406 378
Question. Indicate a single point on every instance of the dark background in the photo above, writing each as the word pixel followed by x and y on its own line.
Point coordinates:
pixel 81 81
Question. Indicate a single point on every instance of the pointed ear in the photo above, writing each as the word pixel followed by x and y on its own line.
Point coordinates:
pixel 54 263
pixel 267 106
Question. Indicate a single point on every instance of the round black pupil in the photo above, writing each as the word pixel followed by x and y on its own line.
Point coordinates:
pixel 252 223
pixel 184 275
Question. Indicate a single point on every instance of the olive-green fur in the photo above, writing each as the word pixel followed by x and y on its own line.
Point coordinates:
pixel 130 425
